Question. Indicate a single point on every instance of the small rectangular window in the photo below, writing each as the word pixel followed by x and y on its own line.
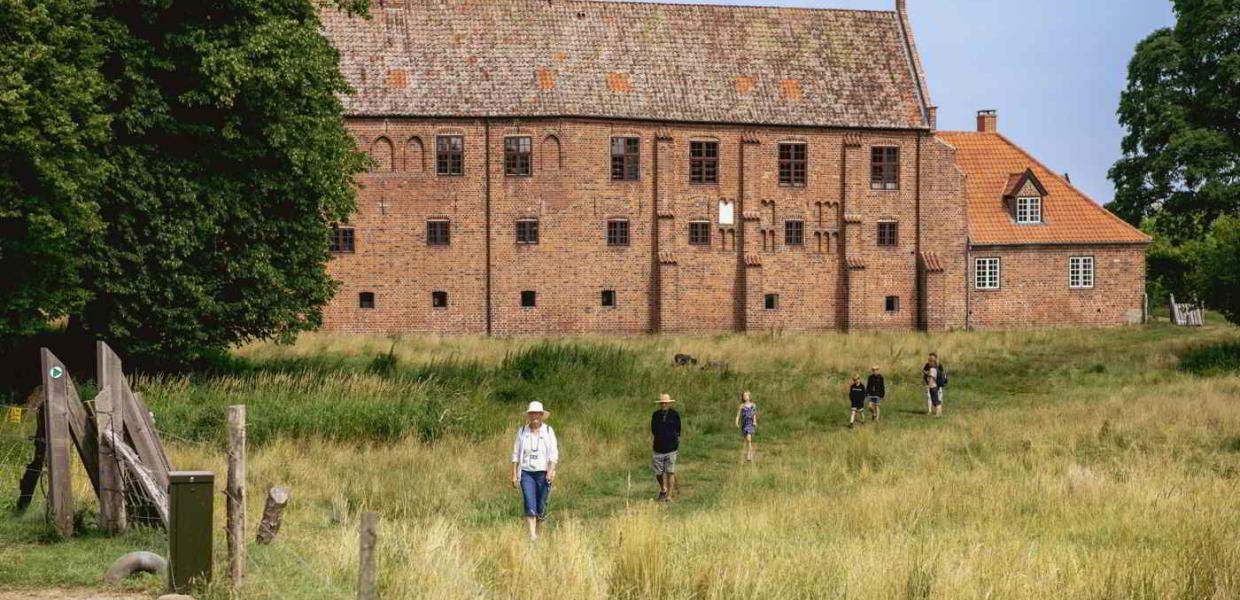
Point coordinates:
pixel 703 162
pixel 794 233
pixel 986 273
pixel 893 304
pixel 439 299
pixel 618 232
pixel 609 298
pixel 885 168
pixel 699 233
pixel 888 233
pixel 771 302
pixel 438 232
pixel 450 155
pixel 625 158
pixel 366 300
pixel 793 164
pixel 1028 211
pixel 1081 272
pixel 527 231
pixel 529 299
pixel 342 240
pixel 517 152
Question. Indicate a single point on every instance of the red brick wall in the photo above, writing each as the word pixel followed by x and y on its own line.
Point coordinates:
pixel 695 289
pixel 1034 288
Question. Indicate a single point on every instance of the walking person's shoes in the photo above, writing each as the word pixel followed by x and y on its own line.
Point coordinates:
pixel 662 497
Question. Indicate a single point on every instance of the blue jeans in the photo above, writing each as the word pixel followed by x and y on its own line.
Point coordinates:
pixel 534 490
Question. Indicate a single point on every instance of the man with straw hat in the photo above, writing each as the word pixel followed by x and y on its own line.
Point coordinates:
pixel 665 429
pixel 535 454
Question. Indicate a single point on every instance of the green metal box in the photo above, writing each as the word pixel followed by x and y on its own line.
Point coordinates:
pixel 191 497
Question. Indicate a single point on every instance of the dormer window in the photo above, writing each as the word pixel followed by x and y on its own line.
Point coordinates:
pixel 1023 198
pixel 1028 210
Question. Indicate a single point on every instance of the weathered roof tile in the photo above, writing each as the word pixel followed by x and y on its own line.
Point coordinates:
pixel 694 63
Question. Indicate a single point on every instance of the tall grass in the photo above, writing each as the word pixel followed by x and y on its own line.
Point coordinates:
pixel 1071 464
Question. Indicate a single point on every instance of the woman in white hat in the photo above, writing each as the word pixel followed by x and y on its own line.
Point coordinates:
pixel 535 454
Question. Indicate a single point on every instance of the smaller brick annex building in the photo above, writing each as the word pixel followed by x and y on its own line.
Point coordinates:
pixel 578 166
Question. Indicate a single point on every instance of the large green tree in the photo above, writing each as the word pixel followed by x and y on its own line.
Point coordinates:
pixel 52 124
pixel 229 161
pixel 1180 171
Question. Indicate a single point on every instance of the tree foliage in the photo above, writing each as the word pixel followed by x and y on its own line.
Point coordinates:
pixel 1180 173
pixel 230 162
pixel 169 171
pixel 51 126
pixel 1181 158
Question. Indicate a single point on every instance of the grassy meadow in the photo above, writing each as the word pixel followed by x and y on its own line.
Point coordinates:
pixel 1091 464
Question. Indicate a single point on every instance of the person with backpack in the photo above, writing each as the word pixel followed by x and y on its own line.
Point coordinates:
pixel 875 391
pixel 535 454
pixel 935 376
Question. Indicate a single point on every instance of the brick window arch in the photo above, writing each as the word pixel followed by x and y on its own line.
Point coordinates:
pixel 415 155
pixel 550 155
pixel 381 153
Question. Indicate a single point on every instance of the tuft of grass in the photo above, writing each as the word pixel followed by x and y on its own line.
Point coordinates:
pixel 1214 359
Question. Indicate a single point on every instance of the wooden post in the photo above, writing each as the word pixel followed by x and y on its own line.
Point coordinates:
pixel 82 432
pixel 366 565
pixel 56 423
pixel 145 441
pixel 145 478
pixel 110 417
pixel 273 514
pixel 236 494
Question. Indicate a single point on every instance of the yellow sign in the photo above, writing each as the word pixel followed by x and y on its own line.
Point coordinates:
pixel 15 414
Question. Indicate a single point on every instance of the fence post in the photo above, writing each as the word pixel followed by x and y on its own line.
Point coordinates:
pixel 366 565
pixel 236 495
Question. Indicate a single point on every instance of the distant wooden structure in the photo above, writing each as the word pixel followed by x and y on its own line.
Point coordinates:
pixel 114 436
pixel 1186 314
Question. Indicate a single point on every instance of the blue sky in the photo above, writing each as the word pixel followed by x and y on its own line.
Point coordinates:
pixel 1054 70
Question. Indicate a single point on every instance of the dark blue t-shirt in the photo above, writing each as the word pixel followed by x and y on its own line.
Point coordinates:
pixel 665 427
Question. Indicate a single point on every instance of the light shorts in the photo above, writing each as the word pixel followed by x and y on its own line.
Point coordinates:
pixel 664 463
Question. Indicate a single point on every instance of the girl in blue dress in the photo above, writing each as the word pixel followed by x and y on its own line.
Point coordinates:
pixel 747 421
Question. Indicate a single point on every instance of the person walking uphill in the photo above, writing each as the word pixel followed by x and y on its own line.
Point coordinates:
pixel 535 454
pixel 936 379
pixel 665 429
pixel 747 422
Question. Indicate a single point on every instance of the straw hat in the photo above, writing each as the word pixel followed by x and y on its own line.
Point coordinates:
pixel 664 399
pixel 537 407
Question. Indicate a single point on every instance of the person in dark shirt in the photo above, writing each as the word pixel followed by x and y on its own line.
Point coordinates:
pixel 665 429
pixel 875 391
pixel 935 375
pixel 856 396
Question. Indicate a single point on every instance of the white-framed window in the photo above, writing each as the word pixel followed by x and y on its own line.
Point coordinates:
pixel 1028 210
pixel 727 212
pixel 986 273
pixel 1080 272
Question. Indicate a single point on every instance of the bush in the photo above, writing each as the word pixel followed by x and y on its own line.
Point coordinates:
pixel 1213 360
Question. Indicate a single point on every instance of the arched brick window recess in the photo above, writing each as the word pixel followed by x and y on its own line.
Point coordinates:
pixel 381 153
pixel 551 153
pixel 415 155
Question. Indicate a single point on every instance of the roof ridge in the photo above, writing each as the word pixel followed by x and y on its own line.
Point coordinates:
pixel 1092 203
pixel 708 4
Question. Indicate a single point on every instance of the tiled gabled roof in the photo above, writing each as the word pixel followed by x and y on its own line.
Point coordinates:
pixel 672 62
pixel 992 163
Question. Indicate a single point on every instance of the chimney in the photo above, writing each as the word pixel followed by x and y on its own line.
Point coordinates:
pixel 987 121
pixel 932 115
pixel 901 6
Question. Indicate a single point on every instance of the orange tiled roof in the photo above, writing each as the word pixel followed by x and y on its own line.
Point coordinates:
pixel 991 163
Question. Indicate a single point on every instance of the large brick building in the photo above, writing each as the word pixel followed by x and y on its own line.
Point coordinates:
pixel 560 166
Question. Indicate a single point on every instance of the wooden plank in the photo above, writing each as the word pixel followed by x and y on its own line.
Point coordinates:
pixel 141 430
pixel 85 438
pixel 366 559
pixel 145 478
pixel 236 495
pixel 109 416
pixel 273 514
pixel 56 423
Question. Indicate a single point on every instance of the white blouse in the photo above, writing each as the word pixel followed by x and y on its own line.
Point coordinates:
pixel 534 451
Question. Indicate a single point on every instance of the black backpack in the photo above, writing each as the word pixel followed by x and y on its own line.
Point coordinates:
pixel 942 380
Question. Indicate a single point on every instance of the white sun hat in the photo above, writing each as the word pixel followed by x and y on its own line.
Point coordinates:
pixel 537 407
